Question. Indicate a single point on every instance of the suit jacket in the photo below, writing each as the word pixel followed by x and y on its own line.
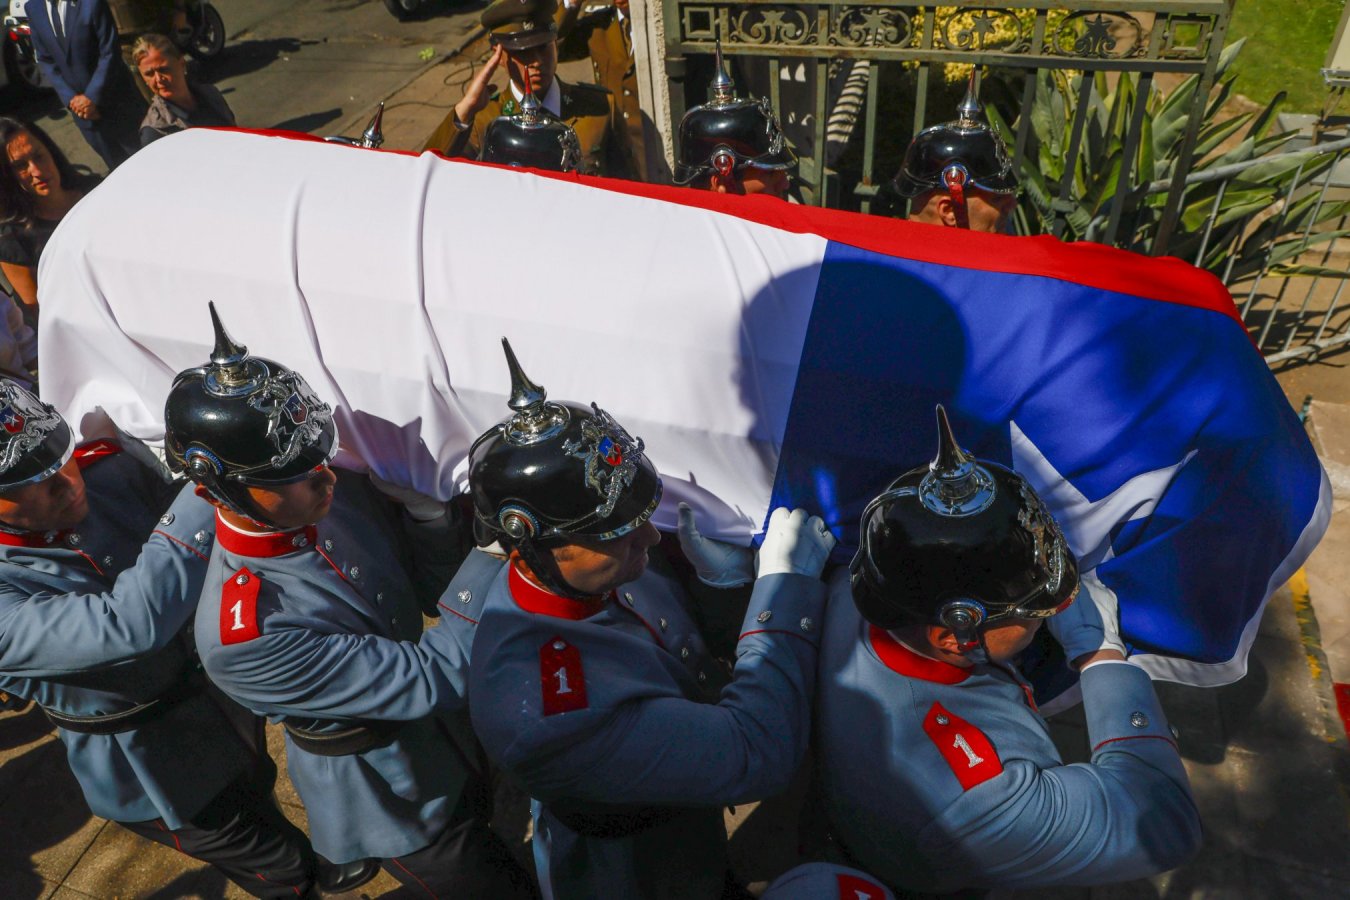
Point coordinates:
pixel 598 32
pixel 589 110
pixel 89 63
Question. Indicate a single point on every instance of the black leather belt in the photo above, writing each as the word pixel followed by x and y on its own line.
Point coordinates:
pixel 347 742
pixel 191 684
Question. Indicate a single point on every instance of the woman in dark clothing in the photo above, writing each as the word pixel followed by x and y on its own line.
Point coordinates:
pixel 179 102
pixel 38 186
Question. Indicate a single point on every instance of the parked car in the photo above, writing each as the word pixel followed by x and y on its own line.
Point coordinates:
pixel 20 62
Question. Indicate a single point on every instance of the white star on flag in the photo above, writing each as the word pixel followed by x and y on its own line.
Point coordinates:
pixel 1088 524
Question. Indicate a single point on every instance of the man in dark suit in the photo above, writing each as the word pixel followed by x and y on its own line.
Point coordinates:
pixel 76 46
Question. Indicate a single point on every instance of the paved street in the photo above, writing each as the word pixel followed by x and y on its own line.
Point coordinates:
pixel 304 65
pixel 1267 756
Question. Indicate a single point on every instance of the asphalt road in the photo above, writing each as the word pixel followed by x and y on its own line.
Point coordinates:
pixel 303 65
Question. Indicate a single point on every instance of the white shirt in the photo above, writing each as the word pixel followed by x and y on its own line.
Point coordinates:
pixel 552 99
pixel 59 8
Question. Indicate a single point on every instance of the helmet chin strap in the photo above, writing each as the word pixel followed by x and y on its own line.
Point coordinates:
pixel 545 570
pixel 954 177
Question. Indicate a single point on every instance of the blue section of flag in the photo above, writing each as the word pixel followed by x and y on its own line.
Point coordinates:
pixel 1107 387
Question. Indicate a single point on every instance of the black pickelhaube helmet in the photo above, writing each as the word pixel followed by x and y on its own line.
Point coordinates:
pixel 960 542
pixel 553 473
pixel 243 421
pixel 34 440
pixel 729 132
pixel 957 155
pixel 531 139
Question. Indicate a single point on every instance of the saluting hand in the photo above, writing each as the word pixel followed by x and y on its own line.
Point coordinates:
pixel 476 94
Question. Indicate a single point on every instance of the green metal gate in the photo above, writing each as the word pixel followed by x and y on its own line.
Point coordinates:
pixel 1139 40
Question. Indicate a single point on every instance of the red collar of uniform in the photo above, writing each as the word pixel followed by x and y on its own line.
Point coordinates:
pixel 268 543
pixel 899 658
pixel 534 599
pixel 92 451
pixel 33 538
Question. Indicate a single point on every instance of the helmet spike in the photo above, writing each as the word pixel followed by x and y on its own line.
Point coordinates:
pixel 970 114
pixel 723 88
pixel 227 352
pixel 529 105
pixel 956 484
pixel 526 396
pixel 373 136
pixel 950 457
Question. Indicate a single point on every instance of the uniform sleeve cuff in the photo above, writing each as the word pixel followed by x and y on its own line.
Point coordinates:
pixel 786 604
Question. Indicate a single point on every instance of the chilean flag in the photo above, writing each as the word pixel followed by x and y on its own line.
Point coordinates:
pixel 767 353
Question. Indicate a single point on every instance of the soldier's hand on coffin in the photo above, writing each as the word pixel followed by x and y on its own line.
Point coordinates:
pixel 476 95
pixel 718 564
pixel 1090 627
pixel 419 506
pixel 795 543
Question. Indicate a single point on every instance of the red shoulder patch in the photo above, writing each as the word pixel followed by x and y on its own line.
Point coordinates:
pixel 851 887
pixel 93 451
pixel 970 754
pixel 239 607
pixel 561 678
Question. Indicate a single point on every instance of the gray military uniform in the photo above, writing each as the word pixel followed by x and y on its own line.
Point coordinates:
pixel 610 716
pixel 319 629
pixel 939 778
pixel 90 624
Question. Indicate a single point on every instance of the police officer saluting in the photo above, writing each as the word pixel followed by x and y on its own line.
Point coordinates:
pixel 733 145
pixel 311 614
pixel 591 685
pixel 937 770
pixel 96 587
pixel 959 174
pixel 524 37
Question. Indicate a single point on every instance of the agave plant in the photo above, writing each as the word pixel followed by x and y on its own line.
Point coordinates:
pixel 1255 223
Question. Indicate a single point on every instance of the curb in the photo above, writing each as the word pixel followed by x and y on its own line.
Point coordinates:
pixel 1310 638
pixel 359 120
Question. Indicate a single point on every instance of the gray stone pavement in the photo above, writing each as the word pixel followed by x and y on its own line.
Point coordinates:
pixel 1267 756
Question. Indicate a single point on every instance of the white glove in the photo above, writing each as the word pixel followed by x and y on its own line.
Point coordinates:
pixel 1091 623
pixel 419 506
pixel 794 544
pixel 718 564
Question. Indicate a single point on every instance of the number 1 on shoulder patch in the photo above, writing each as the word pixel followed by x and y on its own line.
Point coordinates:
pixel 239 607
pixel 561 678
pixel 970 754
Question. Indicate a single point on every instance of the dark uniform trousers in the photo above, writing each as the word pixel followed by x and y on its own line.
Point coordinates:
pixel 243 834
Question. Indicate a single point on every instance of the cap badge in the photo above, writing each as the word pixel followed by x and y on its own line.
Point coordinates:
pixel 12 419
pixel 295 415
pixel 610 455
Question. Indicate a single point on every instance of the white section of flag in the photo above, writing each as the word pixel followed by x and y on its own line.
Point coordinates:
pixel 387 281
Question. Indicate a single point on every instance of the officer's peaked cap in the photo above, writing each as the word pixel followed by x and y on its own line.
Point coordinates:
pixel 521 24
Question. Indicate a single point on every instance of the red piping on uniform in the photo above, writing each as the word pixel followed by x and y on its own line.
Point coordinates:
pixel 334 565
pixel 430 892
pixel 800 637
pixel 181 544
pixel 904 661
pixel 460 614
pixel 534 599
pixel 648 625
pixel 1136 737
